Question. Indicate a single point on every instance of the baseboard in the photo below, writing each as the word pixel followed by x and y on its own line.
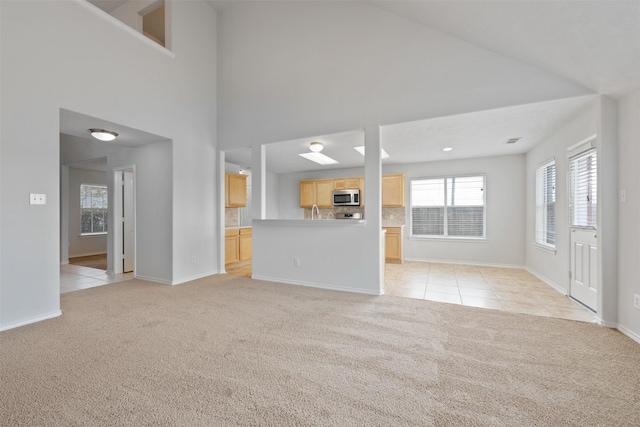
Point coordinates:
pixel 604 324
pixel 629 333
pixel 479 264
pixel 64 262
pixel 192 278
pixel 316 285
pixel 152 279
pixel 546 280
pixel 32 320
pixel 87 254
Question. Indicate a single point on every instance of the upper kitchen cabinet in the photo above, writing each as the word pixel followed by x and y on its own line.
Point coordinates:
pixel 393 191
pixel 235 190
pixel 316 192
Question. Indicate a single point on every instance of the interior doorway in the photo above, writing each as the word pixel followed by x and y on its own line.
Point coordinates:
pixel 124 222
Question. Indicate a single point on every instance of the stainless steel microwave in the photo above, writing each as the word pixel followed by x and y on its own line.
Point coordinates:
pixel 346 197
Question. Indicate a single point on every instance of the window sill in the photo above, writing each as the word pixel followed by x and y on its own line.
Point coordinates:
pixel 547 249
pixel 451 239
pixel 91 235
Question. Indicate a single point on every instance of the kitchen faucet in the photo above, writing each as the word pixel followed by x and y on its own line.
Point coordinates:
pixel 317 211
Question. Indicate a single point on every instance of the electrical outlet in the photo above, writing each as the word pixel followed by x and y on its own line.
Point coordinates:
pixel 193 259
pixel 296 262
pixel 636 301
pixel 623 196
pixel 37 199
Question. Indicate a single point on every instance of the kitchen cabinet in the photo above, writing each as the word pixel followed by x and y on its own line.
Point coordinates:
pixel 235 190
pixel 346 183
pixel 393 244
pixel 393 191
pixel 231 246
pixel 316 192
pixel 245 244
pixel 237 245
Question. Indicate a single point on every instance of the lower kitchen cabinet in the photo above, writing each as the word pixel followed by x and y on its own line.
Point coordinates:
pixel 237 245
pixel 393 244
pixel 245 244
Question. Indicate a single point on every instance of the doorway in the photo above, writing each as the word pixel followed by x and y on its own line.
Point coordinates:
pixel 124 222
pixel 583 207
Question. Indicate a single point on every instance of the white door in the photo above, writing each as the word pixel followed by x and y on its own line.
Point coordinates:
pixel 583 204
pixel 584 267
pixel 128 231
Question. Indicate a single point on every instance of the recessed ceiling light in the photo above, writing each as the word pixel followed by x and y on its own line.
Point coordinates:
pixel 319 158
pixel 103 135
pixel 447 149
pixel 360 150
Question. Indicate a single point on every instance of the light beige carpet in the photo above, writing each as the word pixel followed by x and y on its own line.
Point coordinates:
pixel 229 350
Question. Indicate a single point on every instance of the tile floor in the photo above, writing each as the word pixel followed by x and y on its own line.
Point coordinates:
pixel 76 277
pixel 508 289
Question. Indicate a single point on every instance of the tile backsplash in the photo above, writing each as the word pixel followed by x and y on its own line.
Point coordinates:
pixel 231 217
pixel 391 217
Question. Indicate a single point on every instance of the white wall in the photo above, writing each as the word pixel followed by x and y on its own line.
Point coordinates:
pixel 88 245
pixel 629 213
pixel 555 267
pixel 53 57
pixel 505 211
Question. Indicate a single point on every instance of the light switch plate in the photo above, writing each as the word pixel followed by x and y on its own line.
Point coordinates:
pixel 623 196
pixel 37 199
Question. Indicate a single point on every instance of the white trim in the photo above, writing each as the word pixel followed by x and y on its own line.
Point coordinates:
pixel 32 320
pixel 86 254
pixel 317 285
pixel 64 262
pixel 547 280
pixel 92 235
pixel 152 279
pixel 549 249
pixel 192 278
pixel 582 146
pixel 627 332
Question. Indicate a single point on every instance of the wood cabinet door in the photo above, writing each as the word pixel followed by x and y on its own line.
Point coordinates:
pixel 352 183
pixel 324 190
pixel 339 184
pixel 245 246
pixel 393 244
pixel 231 249
pixel 393 191
pixel 236 190
pixel 307 194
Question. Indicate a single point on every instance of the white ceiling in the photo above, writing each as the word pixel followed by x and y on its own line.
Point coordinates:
pixel 108 5
pixel 594 43
pixel 477 134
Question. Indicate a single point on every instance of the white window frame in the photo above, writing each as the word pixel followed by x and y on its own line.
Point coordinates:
pixel 541 204
pixel 97 233
pixel 445 236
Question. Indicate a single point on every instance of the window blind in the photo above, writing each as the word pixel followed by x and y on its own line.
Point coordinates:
pixel 583 197
pixel 451 206
pixel 93 204
pixel 546 204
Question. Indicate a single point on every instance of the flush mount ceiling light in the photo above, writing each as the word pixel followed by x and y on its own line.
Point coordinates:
pixel 316 146
pixel 512 140
pixel 447 149
pixel 103 135
pixel 360 150
pixel 319 158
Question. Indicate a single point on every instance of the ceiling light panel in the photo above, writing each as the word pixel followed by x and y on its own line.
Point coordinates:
pixel 319 158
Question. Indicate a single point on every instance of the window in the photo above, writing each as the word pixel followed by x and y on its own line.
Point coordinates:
pixel 546 204
pixel 93 203
pixel 448 207
pixel 583 197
